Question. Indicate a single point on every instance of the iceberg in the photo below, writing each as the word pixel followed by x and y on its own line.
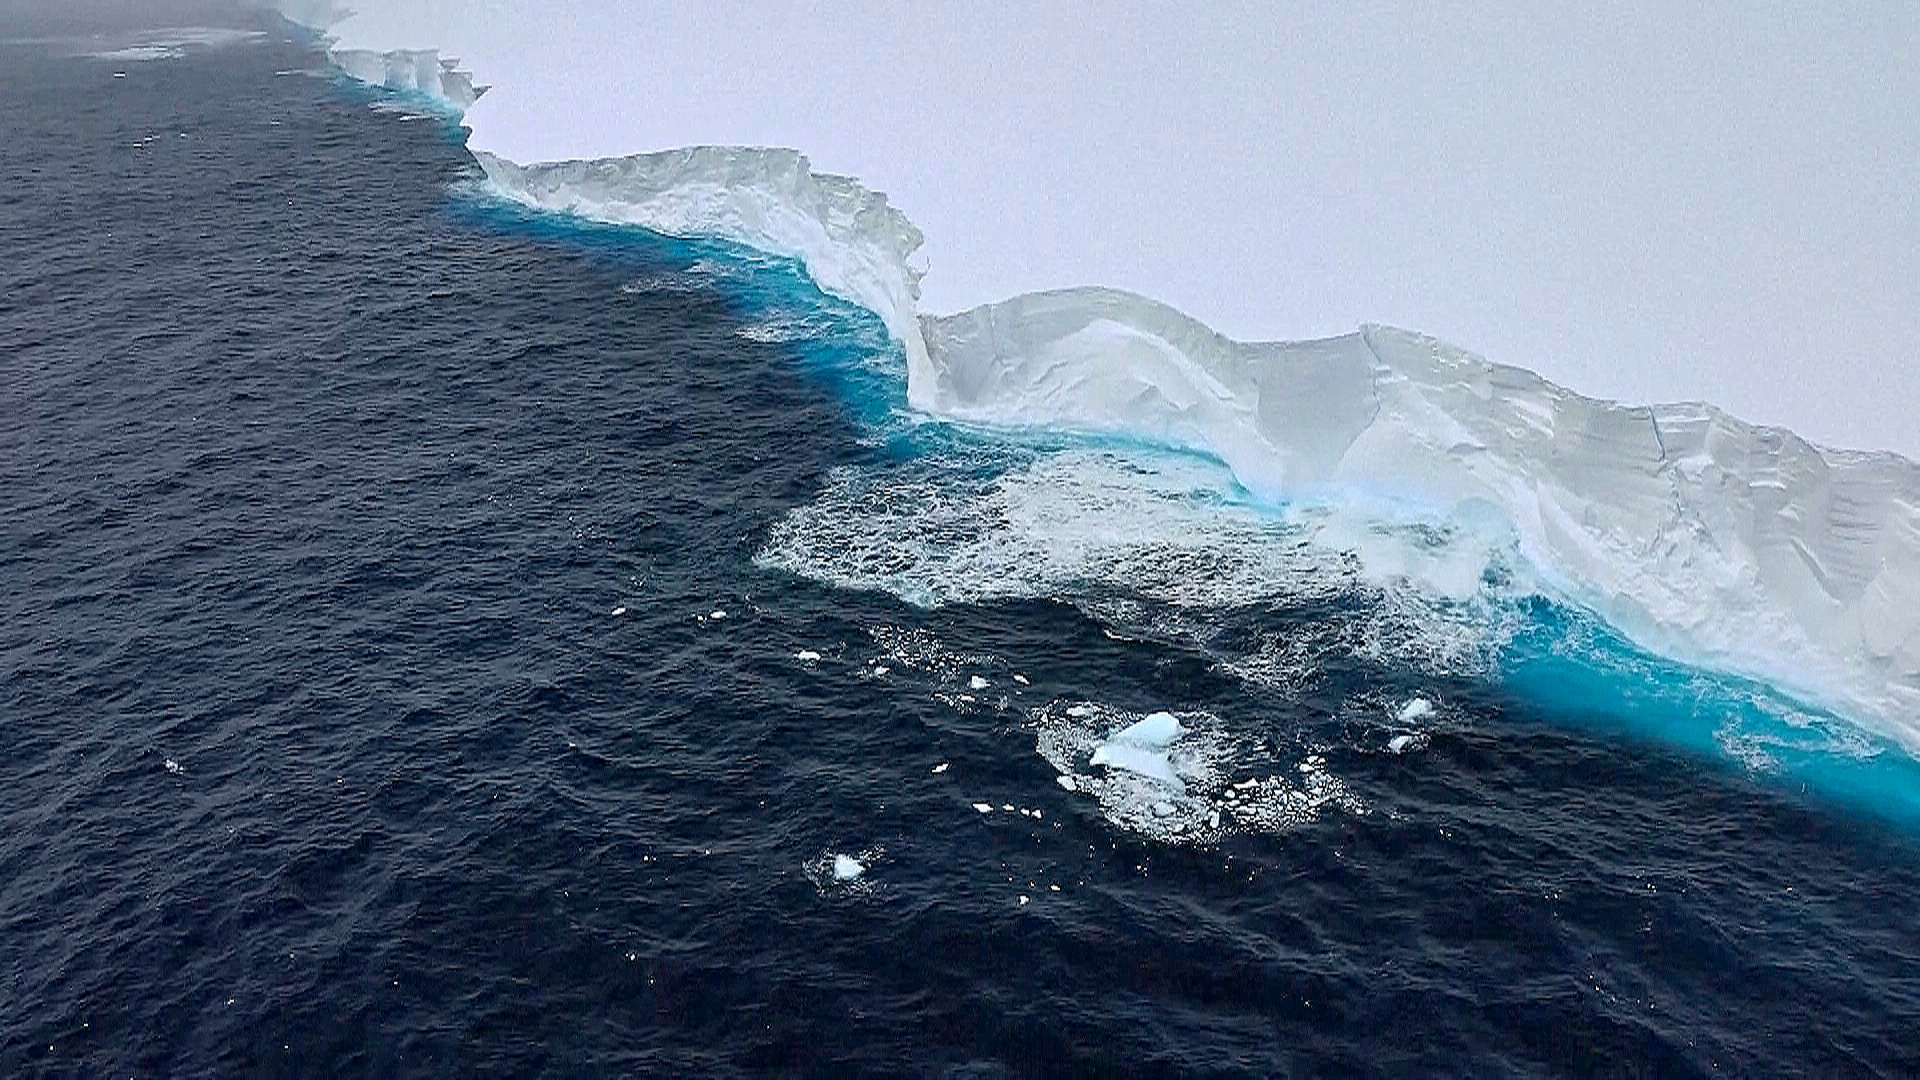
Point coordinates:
pixel 1718 543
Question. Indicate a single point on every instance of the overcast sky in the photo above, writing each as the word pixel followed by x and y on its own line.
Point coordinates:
pixel 1640 202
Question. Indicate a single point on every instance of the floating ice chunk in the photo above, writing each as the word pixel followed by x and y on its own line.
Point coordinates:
pixel 1416 709
pixel 175 767
pixel 1139 760
pixel 1067 781
pixel 978 683
pixel 620 611
pixel 1399 743
pixel 880 669
pixel 847 868
pixel 1024 901
pixel 717 615
pixel 807 656
pixel 1080 711
pixel 1162 809
pixel 940 768
pixel 985 808
pixel 1021 679
pixel 1007 807
pixel 1158 731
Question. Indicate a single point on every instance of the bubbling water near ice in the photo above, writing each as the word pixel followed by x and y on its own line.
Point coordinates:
pixel 1736 548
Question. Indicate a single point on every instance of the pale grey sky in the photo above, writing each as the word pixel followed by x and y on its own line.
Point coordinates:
pixel 1647 201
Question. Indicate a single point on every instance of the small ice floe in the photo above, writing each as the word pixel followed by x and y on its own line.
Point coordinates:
pixel 847 868
pixel 619 611
pixel 940 768
pixel 1158 730
pixel 119 74
pixel 807 656
pixel 1021 679
pixel 985 808
pixel 175 767
pixel 1399 743
pixel 1141 748
pixel 717 615
pixel 1024 901
pixel 880 669
pixel 977 683
pixel 1417 709
pixel 1067 781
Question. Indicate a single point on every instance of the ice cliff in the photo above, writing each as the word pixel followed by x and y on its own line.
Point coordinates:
pixel 1741 548
pixel 417 71
pixel 853 244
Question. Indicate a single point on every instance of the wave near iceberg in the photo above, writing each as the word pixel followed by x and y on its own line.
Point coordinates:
pixel 1700 537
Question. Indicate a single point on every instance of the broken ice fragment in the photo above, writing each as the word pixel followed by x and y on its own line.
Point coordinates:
pixel 846 868
pixel 1399 743
pixel 1415 709
pixel 1139 760
pixel 978 683
pixel 940 768
pixel 806 656
pixel 1157 730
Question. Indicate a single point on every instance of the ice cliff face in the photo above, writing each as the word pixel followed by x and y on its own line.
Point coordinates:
pixel 853 244
pixel 418 71
pixel 1702 537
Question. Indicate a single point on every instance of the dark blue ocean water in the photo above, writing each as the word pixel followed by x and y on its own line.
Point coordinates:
pixel 321 479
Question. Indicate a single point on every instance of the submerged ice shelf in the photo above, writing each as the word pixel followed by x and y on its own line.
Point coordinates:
pixel 1718 543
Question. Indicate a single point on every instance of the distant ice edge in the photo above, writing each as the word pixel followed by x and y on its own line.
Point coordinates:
pixel 1733 547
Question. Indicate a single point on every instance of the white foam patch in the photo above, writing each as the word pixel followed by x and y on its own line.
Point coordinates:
pixel 1186 778
pixel 1156 544
pixel 840 873
pixel 173 43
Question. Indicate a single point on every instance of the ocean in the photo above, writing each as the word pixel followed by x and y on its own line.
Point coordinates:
pixel 445 638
